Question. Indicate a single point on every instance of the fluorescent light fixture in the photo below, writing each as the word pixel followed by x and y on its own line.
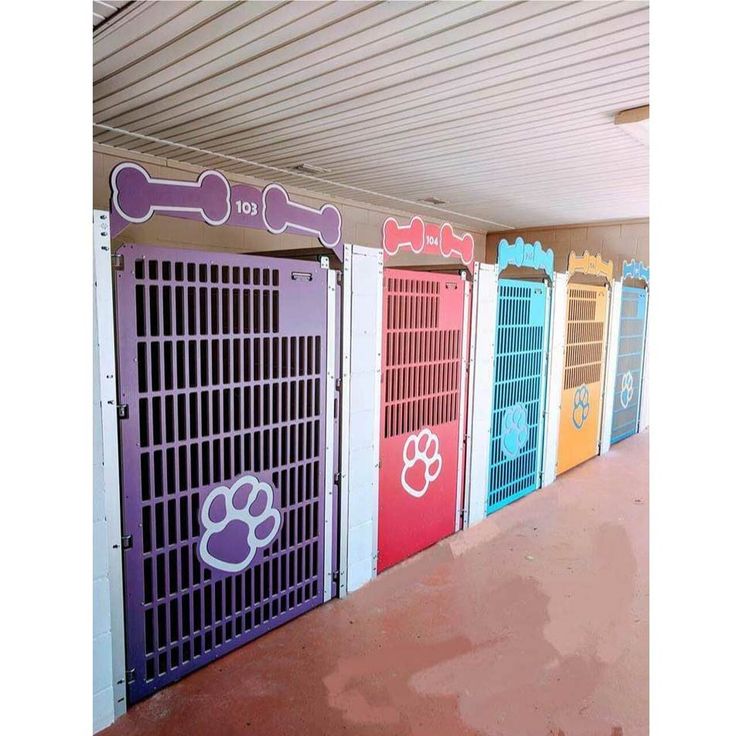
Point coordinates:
pixel 306 168
pixel 635 122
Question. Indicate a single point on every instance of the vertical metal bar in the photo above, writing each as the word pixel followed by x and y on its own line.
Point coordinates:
pixel 485 305
pixel 346 352
pixel 463 378
pixel 642 362
pixel 605 348
pixel 329 428
pixel 642 422
pixel 469 434
pixel 546 348
pixel 377 423
pixel 614 325
pixel 555 375
pixel 106 357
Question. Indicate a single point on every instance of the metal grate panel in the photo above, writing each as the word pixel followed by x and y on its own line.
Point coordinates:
pixel 421 377
pixel 222 368
pixel 629 363
pixel 585 347
pixel 522 334
pixel 422 366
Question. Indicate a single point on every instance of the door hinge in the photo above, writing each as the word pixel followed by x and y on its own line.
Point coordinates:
pixel 130 676
pixel 337 479
pixel 122 411
pixel 338 384
pixel 336 577
pixel 117 261
pixel 126 542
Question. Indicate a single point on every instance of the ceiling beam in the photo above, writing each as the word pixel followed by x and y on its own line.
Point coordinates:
pixel 634 115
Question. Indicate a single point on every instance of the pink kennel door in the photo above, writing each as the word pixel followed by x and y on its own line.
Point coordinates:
pixel 222 365
pixel 422 391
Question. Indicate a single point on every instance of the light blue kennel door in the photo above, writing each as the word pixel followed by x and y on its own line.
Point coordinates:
pixel 519 389
pixel 627 387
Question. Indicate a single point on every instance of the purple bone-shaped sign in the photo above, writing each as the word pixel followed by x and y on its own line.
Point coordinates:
pixel 281 213
pixel 136 195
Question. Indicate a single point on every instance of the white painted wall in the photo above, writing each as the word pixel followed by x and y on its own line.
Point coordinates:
pixel 103 703
pixel 480 397
pixel 108 638
pixel 362 320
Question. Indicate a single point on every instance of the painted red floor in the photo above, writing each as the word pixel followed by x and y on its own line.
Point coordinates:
pixel 533 623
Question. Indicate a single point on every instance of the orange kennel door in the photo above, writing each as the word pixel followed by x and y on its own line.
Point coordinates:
pixel 580 413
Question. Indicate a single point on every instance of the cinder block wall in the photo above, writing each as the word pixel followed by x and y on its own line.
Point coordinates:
pixel 361 224
pixel 626 239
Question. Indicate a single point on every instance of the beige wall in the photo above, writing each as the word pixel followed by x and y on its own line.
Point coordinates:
pixel 614 240
pixel 361 223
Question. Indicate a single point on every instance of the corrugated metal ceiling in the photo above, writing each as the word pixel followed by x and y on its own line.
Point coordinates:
pixel 502 109
pixel 104 9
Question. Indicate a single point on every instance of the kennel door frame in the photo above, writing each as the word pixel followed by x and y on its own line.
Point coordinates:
pixel 643 294
pixel 362 343
pixel 393 461
pixel 556 373
pixel 614 326
pixel 480 388
pixel 316 579
pixel 542 377
pixel 106 360
pixel 605 347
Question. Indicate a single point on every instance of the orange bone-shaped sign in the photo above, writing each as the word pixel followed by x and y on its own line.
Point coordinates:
pixel 591 265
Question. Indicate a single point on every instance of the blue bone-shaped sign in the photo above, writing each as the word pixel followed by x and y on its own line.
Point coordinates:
pixel 635 270
pixel 525 255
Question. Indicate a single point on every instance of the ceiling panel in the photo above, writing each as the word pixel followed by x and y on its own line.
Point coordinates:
pixel 103 10
pixel 502 109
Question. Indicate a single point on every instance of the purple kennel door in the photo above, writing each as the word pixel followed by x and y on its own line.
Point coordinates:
pixel 222 364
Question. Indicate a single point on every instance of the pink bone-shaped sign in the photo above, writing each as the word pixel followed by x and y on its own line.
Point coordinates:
pixel 454 245
pixel 281 213
pixel 137 196
pixel 397 236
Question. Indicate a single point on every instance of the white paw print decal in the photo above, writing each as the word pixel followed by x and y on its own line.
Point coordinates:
pixel 422 450
pixel 627 388
pixel 514 431
pixel 580 406
pixel 237 522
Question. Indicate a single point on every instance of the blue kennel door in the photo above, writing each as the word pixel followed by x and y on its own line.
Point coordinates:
pixel 519 390
pixel 630 362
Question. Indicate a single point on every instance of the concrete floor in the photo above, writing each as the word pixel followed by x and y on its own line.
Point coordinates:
pixel 533 623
